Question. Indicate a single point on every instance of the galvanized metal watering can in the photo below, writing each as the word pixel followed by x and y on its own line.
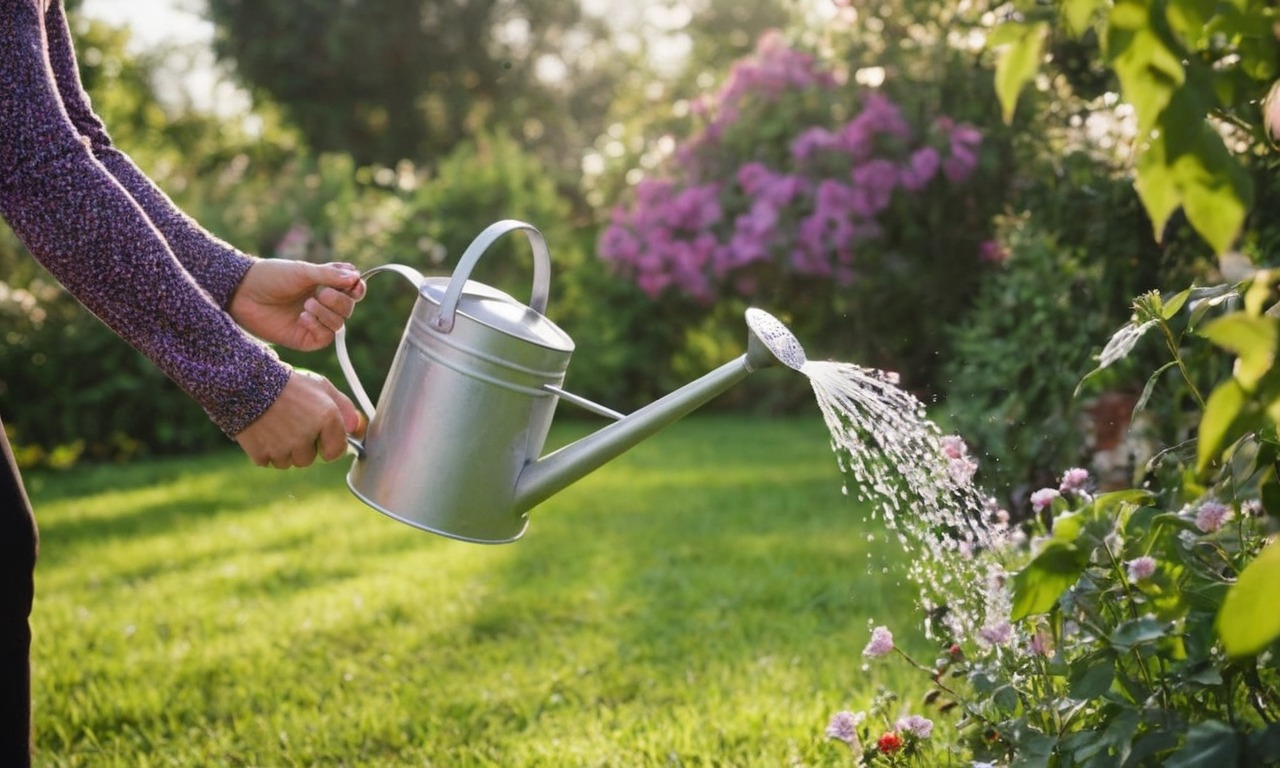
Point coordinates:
pixel 454 444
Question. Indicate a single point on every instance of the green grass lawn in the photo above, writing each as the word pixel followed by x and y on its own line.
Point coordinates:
pixel 702 600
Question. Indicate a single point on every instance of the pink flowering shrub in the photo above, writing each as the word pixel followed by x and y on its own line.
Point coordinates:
pixel 792 174
pixel 842 208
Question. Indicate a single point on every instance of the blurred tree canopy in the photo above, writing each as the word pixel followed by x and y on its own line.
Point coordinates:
pixel 385 80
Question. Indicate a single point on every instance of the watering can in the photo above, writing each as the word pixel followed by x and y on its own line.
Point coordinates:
pixel 454 445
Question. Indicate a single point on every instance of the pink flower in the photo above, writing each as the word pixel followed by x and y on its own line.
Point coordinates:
pixel 880 644
pixel 812 141
pixel 997 634
pixel 991 252
pixel 1211 516
pixel 921 169
pixel 1043 498
pixel 1074 480
pixel 1141 568
pixel 844 727
pixel 920 727
pixel 1041 643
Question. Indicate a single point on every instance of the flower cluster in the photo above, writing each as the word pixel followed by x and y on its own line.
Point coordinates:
pixel 901 737
pixel 759 191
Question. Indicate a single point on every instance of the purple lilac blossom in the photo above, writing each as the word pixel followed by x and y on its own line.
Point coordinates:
pixel 1140 568
pixel 1212 515
pixel 844 727
pixel 704 229
pixel 881 643
pixel 916 725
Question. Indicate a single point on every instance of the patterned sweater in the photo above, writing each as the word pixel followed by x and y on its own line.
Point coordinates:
pixel 114 240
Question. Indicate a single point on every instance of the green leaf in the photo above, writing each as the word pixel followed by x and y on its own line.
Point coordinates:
pixel 1209 743
pixel 1149 744
pixel 1092 679
pixel 1253 339
pixel 1215 191
pixel 1148 70
pixel 1151 385
pixel 1037 587
pixel 1138 632
pixel 1155 185
pixel 1218 426
pixel 1019 61
pixel 1189 17
pixel 1077 13
pixel 1175 303
pixel 1249 621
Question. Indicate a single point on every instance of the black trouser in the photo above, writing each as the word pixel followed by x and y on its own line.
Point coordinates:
pixel 17 564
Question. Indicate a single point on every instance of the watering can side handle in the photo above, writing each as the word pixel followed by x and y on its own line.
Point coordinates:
pixel 541 269
pixel 344 359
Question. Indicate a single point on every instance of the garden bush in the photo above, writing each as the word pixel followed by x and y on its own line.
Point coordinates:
pixel 1064 280
pixel 1134 627
pixel 822 201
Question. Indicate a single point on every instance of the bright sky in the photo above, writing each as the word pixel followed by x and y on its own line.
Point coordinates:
pixel 152 21
pixel 173 23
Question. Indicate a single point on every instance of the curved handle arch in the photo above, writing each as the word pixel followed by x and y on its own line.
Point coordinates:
pixel 445 318
pixel 340 337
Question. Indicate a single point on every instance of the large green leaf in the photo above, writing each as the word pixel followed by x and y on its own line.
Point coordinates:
pixel 1155 185
pixel 1019 61
pixel 1215 190
pixel 1037 587
pixel 1211 743
pixel 1077 13
pixel 1254 341
pixel 1148 70
pixel 1249 619
pixel 1220 425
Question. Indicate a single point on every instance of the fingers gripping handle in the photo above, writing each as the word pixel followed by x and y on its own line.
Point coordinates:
pixel 344 358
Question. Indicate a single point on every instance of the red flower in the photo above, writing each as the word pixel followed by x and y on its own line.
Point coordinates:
pixel 890 743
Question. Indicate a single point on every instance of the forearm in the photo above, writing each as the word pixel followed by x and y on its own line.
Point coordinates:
pixel 216 265
pixel 94 240
pixel 82 225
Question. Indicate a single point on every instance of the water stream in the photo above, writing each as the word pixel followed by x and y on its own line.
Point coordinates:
pixel 919 481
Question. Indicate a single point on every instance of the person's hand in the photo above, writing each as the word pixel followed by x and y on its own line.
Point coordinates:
pixel 310 417
pixel 294 303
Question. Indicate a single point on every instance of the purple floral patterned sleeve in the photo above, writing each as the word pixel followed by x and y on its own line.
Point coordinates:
pixel 114 240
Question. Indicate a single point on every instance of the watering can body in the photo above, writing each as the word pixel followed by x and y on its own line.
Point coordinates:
pixel 455 443
pixel 463 406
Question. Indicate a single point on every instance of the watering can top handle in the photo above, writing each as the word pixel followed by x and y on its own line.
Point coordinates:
pixel 541 269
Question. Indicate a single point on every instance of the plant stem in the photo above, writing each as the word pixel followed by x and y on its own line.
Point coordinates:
pixel 1182 367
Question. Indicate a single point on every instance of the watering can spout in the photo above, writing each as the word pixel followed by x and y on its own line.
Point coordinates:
pixel 769 342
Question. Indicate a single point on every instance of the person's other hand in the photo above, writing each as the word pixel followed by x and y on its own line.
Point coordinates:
pixel 294 303
pixel 311 417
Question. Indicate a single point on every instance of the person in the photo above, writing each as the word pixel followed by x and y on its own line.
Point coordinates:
pixel 200 310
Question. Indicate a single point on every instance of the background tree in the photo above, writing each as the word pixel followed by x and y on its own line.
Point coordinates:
pixel 386 80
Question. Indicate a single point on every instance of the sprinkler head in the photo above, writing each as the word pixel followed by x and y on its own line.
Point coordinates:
pixel 769 341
